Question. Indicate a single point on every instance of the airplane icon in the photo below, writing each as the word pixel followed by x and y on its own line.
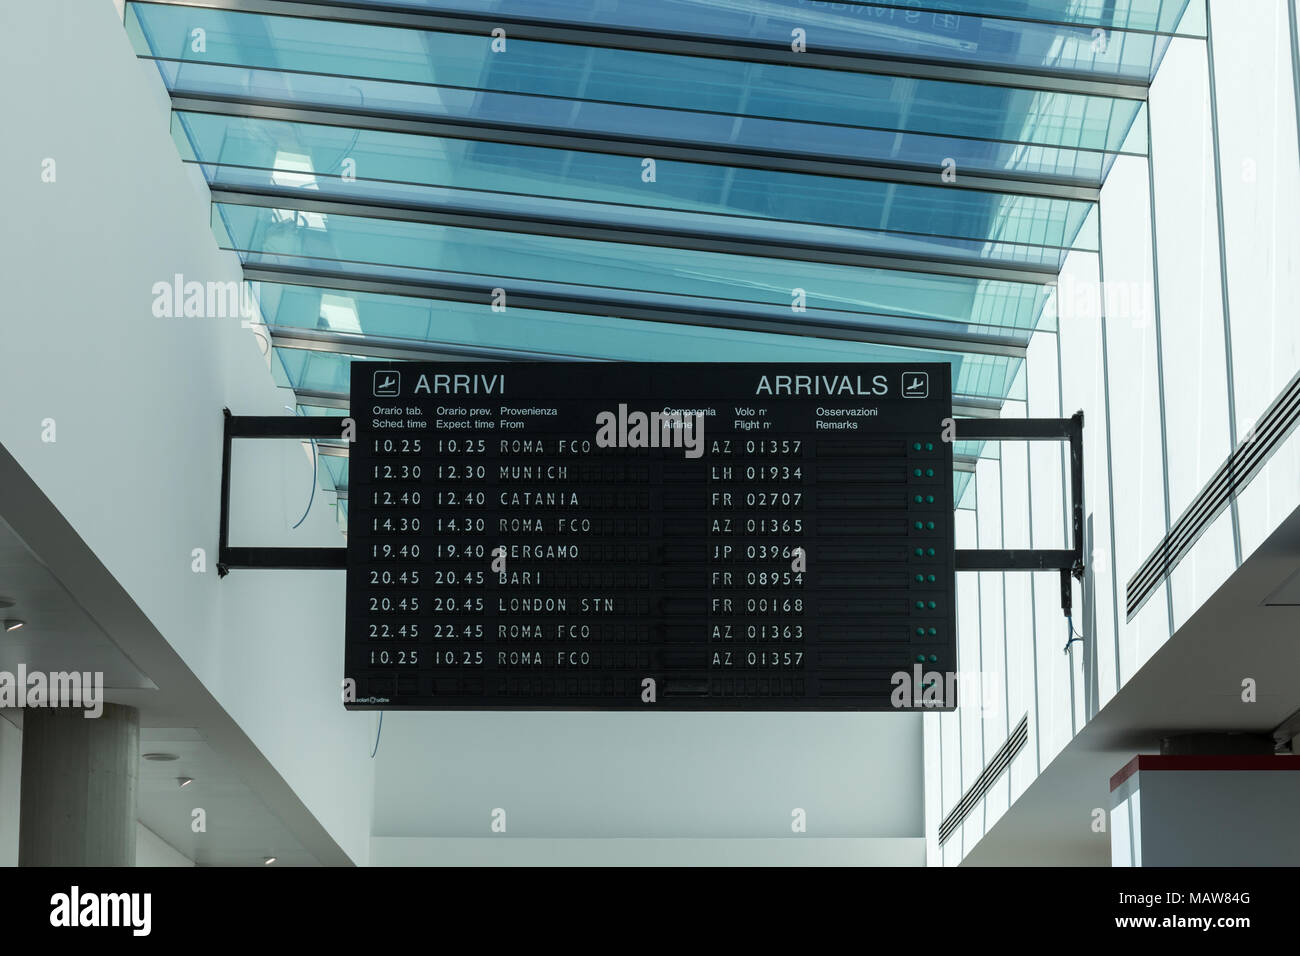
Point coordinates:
pixel 916 384
pixel 387 384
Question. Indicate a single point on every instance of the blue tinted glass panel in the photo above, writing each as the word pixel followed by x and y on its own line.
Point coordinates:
pixel 1050 36
pixel 735 20
pixel 507 180
pixel 485 258
pixel 620 92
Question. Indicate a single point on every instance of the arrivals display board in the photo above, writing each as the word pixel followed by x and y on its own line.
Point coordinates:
pixel 674 536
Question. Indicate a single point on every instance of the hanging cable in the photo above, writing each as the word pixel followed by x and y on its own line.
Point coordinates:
pixel 315 457
pixel 1071 634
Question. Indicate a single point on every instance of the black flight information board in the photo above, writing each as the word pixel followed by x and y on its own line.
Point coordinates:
pixel 679 536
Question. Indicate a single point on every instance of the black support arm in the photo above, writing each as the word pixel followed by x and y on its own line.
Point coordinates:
pixel 1069 562
pixel 272 426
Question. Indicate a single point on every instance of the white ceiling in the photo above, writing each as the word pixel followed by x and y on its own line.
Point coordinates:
pixel 240 829
pixel 61 635
pixel 1192 683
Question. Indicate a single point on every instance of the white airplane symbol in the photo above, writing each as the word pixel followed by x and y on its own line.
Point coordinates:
pixel 387 383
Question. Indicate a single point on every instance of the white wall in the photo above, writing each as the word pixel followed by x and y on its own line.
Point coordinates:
pixel 1145 460
pixel 790 851
pixel 137 400
pixel 1261 197
pixel 704 776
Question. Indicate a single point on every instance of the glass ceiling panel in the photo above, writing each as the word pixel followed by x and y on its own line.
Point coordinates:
pixel 962 489
pixel 419 321
pixel 336 467
pixel 519 262
pixel 731 20
pixel 666 126
pixel 1053 35
pixel 698 225
pixel 506 180
pixel 626 93
pixel 575 119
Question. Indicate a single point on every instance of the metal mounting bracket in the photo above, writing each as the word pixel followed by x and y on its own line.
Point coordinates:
pixel 1070 561
pixel 272 426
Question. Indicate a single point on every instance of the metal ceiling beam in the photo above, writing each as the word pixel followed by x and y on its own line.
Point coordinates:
pixel 386 347
pixel 683 151
pixel 272 198
pixel 681 44
pixel 311 396
pixel 811 324
pixel 972 407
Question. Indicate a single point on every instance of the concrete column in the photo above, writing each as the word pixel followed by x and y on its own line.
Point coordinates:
pixel 79 787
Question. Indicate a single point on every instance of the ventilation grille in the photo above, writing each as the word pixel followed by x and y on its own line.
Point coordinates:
pixel 1242 465
pixel 1001 760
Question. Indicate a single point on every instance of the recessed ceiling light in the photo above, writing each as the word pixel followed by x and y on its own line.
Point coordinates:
pixel 160 756
pixel 184 781
pixel 268 861
pixel 13 624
